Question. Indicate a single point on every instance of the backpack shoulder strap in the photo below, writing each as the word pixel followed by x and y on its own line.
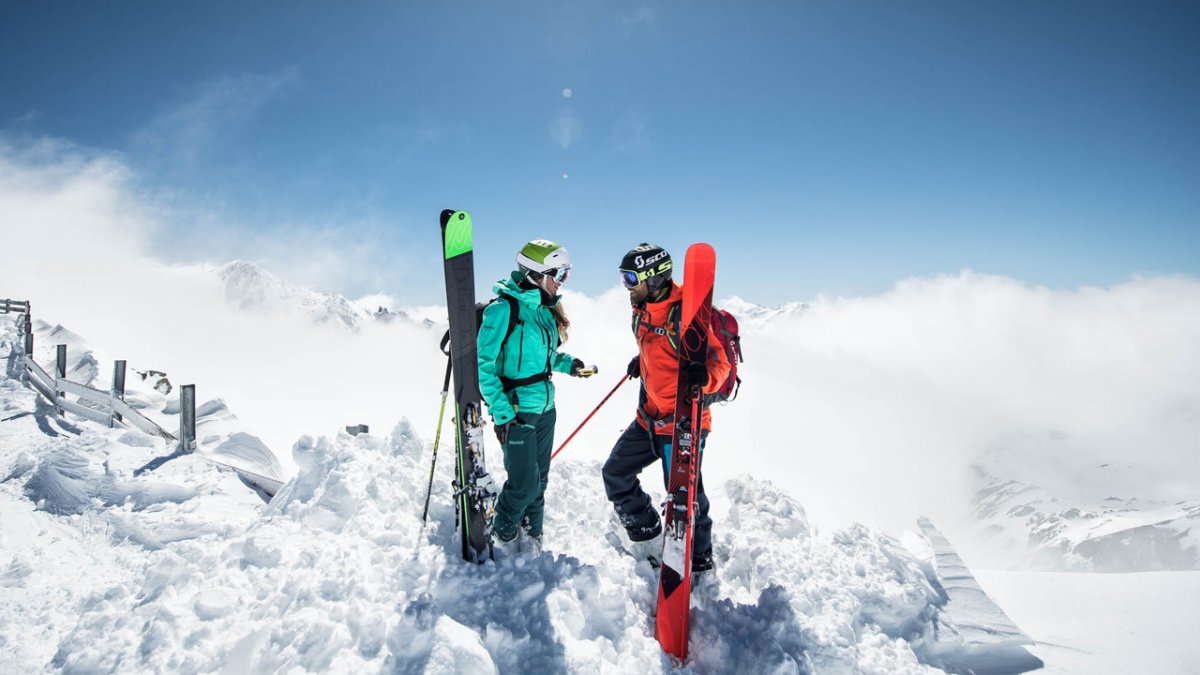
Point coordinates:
pixel 513 313
pixel 673 323
pixel 670 330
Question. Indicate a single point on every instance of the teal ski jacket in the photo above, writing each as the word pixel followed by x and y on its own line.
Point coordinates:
pixel 531 349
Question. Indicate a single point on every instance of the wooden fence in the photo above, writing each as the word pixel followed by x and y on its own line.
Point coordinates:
pixel 109 407
pixel 106 407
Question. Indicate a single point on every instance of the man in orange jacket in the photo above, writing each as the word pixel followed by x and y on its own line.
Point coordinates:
pixel 656 300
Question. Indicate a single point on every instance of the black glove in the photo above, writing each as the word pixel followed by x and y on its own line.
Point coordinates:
pixel 503 429
pixel 634 370
pixel 695 373
pixel 580 370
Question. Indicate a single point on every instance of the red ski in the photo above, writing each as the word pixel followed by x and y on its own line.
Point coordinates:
pixel 675 572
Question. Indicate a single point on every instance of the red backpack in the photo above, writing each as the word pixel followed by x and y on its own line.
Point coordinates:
pixel 725 326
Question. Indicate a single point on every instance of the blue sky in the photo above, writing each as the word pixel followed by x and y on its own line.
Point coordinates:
pixel 821 147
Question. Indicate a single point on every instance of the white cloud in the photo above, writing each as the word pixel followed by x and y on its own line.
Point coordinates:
pixel 31 116
pixel 866 408
pixel 77 238
pixel 61 203
pixel 216 111
pixel 344 256
pixel 882 402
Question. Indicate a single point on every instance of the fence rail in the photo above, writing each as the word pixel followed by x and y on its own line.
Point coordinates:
pixel 109 407
pixel 8 305
pixel 105 407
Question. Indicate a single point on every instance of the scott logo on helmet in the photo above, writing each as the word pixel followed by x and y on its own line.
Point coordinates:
pixel 641 262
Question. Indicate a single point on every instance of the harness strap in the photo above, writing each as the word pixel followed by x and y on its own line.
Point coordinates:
pixel 510 384
pixel 655 426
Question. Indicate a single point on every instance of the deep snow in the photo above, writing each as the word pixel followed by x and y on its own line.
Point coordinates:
pixel 109 564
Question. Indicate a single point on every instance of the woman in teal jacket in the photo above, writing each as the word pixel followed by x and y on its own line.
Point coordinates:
pixel 516 358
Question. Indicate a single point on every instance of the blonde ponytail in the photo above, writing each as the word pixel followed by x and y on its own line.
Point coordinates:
pixel 560 318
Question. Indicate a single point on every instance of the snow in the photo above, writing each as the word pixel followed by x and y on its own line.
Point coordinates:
pixel 1027 525
pixel 975 633
pixel 1080 405
pixel 121 554
pixel 1089 624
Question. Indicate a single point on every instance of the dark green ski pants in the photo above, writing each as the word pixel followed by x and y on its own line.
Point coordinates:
pixel 527 461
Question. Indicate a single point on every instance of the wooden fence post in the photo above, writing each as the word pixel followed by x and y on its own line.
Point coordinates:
pixel 118 386
pixel 60 373
pixel 187 417
pixel 28 331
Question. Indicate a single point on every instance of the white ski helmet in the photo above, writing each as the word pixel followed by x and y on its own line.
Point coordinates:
pixel 542 256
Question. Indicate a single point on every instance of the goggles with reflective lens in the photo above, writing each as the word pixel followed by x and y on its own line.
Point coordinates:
pixel 630 279
pixel 558 274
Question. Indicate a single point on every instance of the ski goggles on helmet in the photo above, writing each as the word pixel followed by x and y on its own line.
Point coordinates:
pixel 559 274
pixel 630 279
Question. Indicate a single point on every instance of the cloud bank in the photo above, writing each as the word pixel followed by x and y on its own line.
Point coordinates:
pixel 864 408
pixel 78 241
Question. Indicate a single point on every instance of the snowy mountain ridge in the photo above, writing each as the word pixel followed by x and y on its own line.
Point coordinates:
pixel 1032 527
pixel 250 287
pixel 752 314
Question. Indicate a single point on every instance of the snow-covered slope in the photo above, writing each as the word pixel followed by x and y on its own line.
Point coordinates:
pixel 250 287
pixel 120 555
pixel 750 313
pixel 1029 526
pixel 1104 623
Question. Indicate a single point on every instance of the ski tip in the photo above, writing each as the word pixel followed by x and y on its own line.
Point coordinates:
pixel 701 251
pixel 453 214
pixel 456 233
pixel 699 270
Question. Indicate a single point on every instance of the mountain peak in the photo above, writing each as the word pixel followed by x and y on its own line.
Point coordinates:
pixel 248 286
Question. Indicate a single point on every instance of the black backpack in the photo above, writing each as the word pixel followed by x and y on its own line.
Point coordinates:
pixel 479 307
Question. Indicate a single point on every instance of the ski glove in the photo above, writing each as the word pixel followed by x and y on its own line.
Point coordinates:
pixel 695 373
pixel 634 370
pixel 580 370
pixel 503 429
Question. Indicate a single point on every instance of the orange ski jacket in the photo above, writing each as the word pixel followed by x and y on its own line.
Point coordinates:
pixel 659 362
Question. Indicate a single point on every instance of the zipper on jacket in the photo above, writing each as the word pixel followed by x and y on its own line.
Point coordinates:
pixel 546 406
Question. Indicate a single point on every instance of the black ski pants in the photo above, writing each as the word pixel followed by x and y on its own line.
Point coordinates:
pixel 635 450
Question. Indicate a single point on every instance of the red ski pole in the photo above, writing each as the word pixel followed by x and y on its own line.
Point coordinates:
pixel 585 420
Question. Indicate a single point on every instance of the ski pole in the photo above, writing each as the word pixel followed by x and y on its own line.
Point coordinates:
pixel 585 420
pixel 437 438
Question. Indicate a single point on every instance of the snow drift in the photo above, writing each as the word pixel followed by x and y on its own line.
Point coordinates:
pixel 119 554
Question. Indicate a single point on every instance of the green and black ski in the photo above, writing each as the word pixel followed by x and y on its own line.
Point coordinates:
pixel 474 489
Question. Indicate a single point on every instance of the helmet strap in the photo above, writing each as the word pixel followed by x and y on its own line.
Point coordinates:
pixel 527 281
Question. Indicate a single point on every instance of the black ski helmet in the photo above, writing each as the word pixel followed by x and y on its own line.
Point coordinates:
pixel 648 263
